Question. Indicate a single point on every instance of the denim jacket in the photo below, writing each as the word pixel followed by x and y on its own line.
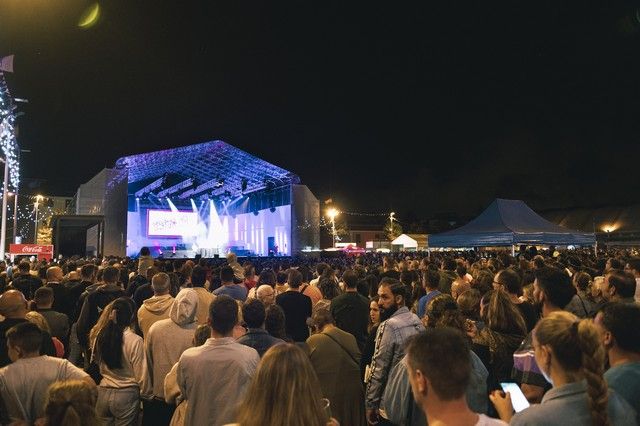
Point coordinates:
pixel 390 345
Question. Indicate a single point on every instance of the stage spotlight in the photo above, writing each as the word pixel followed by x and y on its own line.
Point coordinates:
pixel 256 213
pixel 272 209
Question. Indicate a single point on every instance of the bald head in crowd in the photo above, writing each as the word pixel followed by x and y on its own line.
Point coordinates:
pixel 13 304
pixel 55 274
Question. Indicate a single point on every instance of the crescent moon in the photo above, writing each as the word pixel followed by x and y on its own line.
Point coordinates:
pixel 90 16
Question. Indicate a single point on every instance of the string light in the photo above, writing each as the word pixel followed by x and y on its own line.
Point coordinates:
pixel 8 141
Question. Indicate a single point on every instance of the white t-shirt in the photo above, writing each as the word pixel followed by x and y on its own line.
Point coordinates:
pixel 23 384
pixel 484 420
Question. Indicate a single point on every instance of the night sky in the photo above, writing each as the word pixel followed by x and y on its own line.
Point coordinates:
pixel 413 106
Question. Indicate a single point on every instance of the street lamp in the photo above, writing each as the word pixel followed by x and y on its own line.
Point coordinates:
pixel 35 235
pixel 332 213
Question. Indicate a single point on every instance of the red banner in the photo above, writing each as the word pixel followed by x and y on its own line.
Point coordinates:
pixel 41 251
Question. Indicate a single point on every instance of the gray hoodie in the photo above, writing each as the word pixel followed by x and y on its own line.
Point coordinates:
pixel 168 338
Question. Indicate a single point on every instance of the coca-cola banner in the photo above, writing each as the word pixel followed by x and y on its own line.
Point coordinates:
pixel 41 251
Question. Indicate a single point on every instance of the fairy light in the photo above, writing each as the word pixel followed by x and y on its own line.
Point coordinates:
pixel 8 141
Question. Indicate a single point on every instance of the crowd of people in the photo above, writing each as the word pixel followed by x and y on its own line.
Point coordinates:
pixel 397 339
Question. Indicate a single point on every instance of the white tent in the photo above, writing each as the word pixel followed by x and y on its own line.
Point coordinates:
pixel 410 242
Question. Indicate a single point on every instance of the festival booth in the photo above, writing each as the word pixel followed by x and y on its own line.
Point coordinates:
pixel 40 251
pixel 508 223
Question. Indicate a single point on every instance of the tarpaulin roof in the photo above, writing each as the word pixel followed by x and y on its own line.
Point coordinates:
pixel 507 222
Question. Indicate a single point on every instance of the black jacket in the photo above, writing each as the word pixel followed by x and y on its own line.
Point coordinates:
pixel 92 307
pixel 27 284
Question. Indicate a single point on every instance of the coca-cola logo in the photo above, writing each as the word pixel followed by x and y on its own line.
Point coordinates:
pixel 31 249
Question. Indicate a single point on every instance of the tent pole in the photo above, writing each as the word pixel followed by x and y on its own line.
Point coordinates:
pixel 513 250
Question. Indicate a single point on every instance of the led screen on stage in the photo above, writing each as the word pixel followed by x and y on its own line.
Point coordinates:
pixel 167 223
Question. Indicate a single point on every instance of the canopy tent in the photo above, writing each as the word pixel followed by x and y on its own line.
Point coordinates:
pixel 411 241
pixel 508 222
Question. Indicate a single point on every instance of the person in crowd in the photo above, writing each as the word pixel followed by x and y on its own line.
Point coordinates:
pixel 208 374
pixel 350 310
pixel 431 282
pixel 552 290
pixel 166 341
pixel 266 294
pixel 285 375
pixel 504 332
pixel 619 286
pixel 96 301
pixel 256 337
pixel 145 261
pixel 229 287
pixel 70 403
pixel 198 281
pixel 281 283
pixel 88 274
pixel 329 288
pixel 460 284
pixel 335 357
pixel 439 367
pixel 313 292
pixel 25 282
pixel 57 321
pixel 633 267
pixel 447 275
pixel 571 356
pixel 13 307
pixel 238 270
pixel 320 268
pixel 581 306
pixel 172 394
pixel 61 300
pixel 119 353
pixel 619 327
pixel 296 307
pixel 509 281
pixel 398 326
pixel 156 308
pixel 37 319
pixel 469 304
pixel 24 383
pixel 145 291
pixel 370 344
pixel 274 323
pixel 250 279
pixel 389 268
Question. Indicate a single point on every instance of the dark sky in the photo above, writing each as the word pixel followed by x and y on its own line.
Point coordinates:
pixel 414 106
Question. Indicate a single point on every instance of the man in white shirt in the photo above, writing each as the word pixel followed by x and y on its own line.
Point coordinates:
pixel 439 368
pixel 24 383
pixel 217 373
pixel 633 266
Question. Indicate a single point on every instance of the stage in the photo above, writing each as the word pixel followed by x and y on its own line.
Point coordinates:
pixel 205 200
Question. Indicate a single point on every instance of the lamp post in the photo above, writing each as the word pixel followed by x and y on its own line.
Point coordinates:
pixel 332 213
pixel 5 194
pixel 35 234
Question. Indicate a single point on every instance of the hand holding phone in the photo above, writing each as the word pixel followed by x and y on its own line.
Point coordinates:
pixel 518 400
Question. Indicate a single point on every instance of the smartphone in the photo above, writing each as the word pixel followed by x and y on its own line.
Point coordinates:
pixel 518 400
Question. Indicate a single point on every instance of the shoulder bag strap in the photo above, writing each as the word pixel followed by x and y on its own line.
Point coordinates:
pixel 343 348
pixel 304 288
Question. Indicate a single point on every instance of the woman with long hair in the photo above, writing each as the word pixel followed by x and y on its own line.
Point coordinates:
pixel 503 333
pixel 70 403
pixel 285 391
pixel 119 353
pixel 369 346
pixel 570 354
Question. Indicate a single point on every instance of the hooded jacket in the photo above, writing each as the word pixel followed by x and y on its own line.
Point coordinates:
pixel 152 310
pixel 168 338
pixel 205 297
